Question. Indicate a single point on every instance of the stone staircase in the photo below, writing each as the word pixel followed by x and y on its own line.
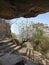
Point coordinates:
pixel 8 46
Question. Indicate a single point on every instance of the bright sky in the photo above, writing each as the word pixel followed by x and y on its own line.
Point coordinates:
pixel 42 18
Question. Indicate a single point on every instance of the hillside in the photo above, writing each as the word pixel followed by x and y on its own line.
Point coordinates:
pixel 44 27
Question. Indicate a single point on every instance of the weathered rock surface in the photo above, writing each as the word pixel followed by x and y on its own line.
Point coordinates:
pixel 38 58
pixel 27 8
pixel 4 30
pixel 12 59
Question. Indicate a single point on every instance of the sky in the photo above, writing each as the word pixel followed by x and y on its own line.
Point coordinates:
pixel 42 18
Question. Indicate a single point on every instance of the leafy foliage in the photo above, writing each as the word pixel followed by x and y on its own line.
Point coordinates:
pixel 40 42
pixel 13 35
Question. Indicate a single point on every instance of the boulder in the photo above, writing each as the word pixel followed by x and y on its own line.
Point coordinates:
pixel 12 59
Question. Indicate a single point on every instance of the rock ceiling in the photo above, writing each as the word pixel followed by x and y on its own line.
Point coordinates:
pixel 27 8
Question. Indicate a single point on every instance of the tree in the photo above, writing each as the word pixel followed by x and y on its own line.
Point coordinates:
pixel 24 33
pixel 25 30
pixel 40 42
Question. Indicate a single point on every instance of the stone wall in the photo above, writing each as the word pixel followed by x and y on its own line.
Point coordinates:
pixel 4 29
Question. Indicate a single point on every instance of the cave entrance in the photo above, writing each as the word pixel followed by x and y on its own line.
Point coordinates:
pixel 18 23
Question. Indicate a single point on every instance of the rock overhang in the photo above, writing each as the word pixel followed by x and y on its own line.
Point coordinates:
pixel 10 9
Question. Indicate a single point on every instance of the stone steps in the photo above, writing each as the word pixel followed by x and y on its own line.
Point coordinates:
pixel 10 48
pixel 7 46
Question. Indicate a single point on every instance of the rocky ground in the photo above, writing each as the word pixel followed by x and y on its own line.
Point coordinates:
pixel 28 55
pixel 37 57
pixel 13 59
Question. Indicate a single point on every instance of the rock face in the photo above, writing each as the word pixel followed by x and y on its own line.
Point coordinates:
pixel 12 59
pixel 4 30
pixel 26 8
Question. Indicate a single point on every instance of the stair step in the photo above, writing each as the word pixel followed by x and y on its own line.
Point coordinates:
pixel 4 41
pixel 10 48
pixel 13 46
pixel 7 46
pixel 4 46
pixel 14 49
